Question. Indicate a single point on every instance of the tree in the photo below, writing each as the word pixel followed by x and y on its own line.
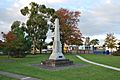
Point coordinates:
pixel 15 25
pixel 37 23
pixel 87 43
pixel 1 45
pixel 117 53
pixel 8 42
pixel 70 34
pixel 20 37
pixel 118 45
pixel 94 42
pixel 110 41
pixel 16 42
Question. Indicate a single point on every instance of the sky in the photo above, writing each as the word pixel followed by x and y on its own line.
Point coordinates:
pixel 98 17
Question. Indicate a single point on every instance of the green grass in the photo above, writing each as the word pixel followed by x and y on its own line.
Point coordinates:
pixel 6 78
pixel 88 72
pixel 104 59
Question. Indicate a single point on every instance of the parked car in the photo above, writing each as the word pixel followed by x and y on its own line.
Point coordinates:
pixel 1 52
pixel 44 50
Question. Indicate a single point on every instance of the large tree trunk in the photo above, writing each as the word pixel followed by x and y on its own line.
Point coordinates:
pixel 34 46
pixel 33 51
pixel 63 48
pixel 40 49
pixel 111 51
pixel 8 54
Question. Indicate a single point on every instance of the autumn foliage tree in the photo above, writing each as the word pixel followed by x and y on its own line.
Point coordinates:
pixel 15 41
pixel 9 40
pixel 70 34
pixel 110 41
pixel 8 44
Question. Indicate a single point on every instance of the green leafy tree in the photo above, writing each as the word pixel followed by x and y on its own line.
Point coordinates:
pixel 20 32
pixel 94 42
pixel 118 45
pixel 110 41
pixel 87 43
pixel 117 53
pixel 37 27
pixel 15 25
pixel 1 46
pixel 20 41
pixel 16 43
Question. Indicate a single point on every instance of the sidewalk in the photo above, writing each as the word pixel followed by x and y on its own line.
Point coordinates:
pixel 98 64
pixel 17 76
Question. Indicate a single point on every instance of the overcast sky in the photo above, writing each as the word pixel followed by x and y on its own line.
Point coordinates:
pixel 98 17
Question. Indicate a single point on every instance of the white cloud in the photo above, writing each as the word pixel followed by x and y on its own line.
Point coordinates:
pixel 108 1
pixel 12 13
pixel 55 1
pixel 101 19
pixel 14 10
pixel 1 22
pixel 101 37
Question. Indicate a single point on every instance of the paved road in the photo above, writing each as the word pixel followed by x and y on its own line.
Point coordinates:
pixel 17 76
pixel 98 64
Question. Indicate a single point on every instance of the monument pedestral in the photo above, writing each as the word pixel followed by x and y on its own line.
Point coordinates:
pixel 57 58
pixel 56 63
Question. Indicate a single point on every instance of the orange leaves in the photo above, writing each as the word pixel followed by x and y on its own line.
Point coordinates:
pixel 10 36
pixel 68 26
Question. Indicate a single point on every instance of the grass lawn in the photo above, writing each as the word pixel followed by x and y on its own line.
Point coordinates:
pixel 6 78
pixel 104 59
pixel 88 72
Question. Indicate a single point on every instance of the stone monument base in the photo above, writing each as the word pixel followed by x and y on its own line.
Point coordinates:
pixel 55 63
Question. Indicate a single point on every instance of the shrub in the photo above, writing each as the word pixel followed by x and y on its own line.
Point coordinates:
pixel 17 54
pixel 116 53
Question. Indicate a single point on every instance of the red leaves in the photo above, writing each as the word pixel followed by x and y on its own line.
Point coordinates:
pixel 68 26
pixel 10 36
